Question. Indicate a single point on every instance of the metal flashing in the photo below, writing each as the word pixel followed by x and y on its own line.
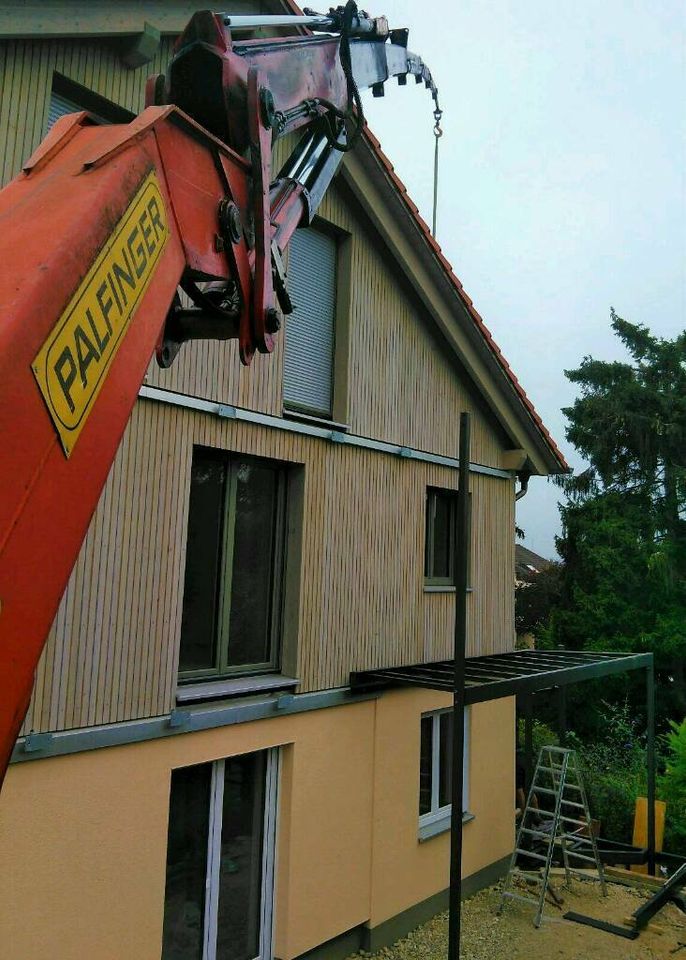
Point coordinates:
pixel 312 430
pixel 37 746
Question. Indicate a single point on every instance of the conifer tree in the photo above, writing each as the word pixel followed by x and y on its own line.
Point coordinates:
pixel 624 520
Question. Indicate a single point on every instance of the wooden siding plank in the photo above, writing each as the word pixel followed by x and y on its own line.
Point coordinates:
pixel 362 599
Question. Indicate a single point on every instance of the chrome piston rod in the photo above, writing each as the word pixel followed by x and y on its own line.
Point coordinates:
pixel 360 25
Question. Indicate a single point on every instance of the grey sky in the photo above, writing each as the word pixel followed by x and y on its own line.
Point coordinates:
pixel 562 178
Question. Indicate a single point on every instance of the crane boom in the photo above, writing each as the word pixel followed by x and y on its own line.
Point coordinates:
pixel 97 233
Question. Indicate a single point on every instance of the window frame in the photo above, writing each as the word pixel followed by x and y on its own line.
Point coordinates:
pixel 213 860
pixel 433 583
pixel 437 819
pixel 82 98
pixel 432 495
pixel 337 414
pixel 222 669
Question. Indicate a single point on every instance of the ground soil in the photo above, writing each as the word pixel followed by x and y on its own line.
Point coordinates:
pixel 512 936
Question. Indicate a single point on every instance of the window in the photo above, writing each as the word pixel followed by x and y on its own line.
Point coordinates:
pixel 310 330
pixel 435 772
pixel 67 96
pixel 439 540
pixel 234 567
pixel 439 551
pixel 220 860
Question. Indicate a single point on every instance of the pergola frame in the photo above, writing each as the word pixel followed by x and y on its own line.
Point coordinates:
pixel 499 675
pixel 520 672
pixel 523 673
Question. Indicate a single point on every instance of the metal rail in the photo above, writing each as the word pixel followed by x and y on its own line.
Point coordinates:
pixel 315 21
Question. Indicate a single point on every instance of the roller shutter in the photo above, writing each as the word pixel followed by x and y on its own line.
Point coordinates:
pixel 310 332
pixel 60 105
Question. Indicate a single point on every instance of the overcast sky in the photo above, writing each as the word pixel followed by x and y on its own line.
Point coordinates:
pixel 562 185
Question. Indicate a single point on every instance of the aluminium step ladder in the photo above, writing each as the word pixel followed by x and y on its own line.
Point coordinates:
pixel 557 776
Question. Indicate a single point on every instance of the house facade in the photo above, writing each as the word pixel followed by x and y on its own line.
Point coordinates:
pixel 195 777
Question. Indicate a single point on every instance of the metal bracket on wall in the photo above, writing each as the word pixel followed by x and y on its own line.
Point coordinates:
pixel 227 411
pixel 37 741
pixel 283 701
pixel 180 719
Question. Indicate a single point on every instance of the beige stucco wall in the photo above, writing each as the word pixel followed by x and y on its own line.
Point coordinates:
pixel 404 871
pixel 83 837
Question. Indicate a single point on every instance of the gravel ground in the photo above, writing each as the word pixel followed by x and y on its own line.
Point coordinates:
pixel 485 936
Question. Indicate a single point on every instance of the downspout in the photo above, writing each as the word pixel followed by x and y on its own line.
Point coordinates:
pixel 523 477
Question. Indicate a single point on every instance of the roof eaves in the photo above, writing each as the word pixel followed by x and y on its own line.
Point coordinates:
pixel 558 462
pixel 485 333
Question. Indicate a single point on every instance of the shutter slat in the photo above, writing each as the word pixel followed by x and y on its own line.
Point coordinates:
pixel 308 362
pixel 59 106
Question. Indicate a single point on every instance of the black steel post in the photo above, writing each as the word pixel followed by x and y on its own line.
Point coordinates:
pixel 461 583
pixel 650 759
pixel 528 710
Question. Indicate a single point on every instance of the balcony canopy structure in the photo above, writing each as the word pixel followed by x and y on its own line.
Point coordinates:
pixel 523 673
pixel 520 672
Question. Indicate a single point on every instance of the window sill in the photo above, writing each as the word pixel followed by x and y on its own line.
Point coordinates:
pixel 317 421
pixel 233 687
pixel 442 588
pixel 440 825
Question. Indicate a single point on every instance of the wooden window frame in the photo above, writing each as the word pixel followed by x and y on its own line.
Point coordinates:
pixel 222 669
pixel 432 582
pixel 432 495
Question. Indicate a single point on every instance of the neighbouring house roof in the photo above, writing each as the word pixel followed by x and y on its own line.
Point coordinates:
pixel 528 563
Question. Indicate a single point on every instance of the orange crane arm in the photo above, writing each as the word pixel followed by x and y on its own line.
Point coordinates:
pixel 96 235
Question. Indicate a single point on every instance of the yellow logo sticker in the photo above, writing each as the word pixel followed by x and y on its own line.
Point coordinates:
pixel 72 364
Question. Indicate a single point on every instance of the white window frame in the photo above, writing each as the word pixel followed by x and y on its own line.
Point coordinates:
pixel 437 820
pixel 268 858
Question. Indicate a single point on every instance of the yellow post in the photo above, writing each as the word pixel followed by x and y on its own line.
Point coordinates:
pixel 640 838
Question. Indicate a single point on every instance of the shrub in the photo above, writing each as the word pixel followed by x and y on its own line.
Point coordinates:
pixel 541 734
pixel 614 770
pixel 672 786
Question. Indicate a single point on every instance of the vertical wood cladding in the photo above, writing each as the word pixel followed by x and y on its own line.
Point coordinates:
pixel 402 388
pixel 113 650
pixel 26 70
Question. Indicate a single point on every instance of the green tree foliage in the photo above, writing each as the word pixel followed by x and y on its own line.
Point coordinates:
pixel 673 787
pixel 614 768
pixel 624 520
pixel 535 596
